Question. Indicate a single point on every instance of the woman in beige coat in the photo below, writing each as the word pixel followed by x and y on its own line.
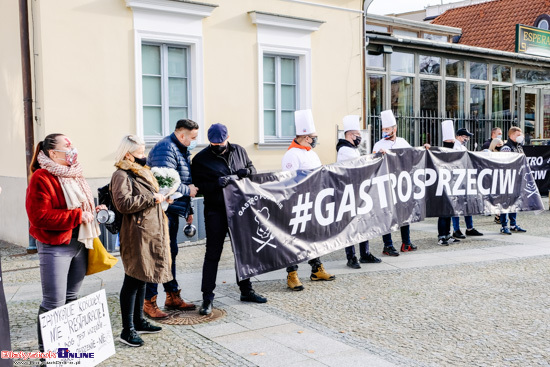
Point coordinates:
pixel 144 239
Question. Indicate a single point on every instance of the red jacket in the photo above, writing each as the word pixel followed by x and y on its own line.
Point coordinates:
pixel 50 220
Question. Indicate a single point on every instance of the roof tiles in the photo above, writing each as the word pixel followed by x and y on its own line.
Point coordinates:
pixel 493 24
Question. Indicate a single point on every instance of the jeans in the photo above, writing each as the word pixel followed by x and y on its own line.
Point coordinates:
pixel 405 237
pixel 132 296
pixel 467 219
pixel 171 286
pixel 443 226
pixel 504 219
pixel 62 270
pixel 216 229
pixel 363 250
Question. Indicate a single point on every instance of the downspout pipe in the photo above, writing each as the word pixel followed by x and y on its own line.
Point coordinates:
pixel 27 93
pixel 366 5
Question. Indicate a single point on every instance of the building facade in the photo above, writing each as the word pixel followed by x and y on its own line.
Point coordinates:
pixel 425 74
pixel 105 68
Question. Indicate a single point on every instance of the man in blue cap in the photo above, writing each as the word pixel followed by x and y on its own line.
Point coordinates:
pixel 210 169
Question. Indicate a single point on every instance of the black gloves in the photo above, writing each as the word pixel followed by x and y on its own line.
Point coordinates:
pixel 223 181
pixel 243 172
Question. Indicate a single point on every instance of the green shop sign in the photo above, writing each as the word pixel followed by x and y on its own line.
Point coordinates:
pixel 531 40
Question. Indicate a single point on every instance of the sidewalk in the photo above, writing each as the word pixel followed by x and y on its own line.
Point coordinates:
pixel 483 301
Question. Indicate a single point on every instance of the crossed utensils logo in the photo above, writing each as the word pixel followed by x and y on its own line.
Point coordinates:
pixel 263 232
pixel 531 186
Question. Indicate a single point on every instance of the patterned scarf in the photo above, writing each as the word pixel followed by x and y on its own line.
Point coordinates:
pixel 77 194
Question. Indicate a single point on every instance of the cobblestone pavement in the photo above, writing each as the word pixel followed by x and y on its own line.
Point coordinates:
pixel 483 302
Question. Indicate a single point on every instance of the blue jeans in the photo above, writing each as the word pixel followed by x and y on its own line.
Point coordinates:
pixel 363 250
pixel 504 219
pixel 171 286
pixel 405 237
pixel 467 219
pixel 62 270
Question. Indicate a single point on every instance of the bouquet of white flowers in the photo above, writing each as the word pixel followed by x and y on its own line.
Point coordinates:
pixel 169 181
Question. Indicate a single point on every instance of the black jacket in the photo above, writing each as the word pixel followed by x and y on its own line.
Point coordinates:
pixel 514 147
pixel 207 168
pixel 344 143
pixel 486 144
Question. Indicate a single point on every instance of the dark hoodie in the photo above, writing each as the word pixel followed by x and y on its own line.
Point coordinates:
pixel 344 143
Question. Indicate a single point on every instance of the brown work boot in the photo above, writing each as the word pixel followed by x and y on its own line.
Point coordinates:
pixel 175 302
pixel 294 282
pixel 319 273
pixel 151 309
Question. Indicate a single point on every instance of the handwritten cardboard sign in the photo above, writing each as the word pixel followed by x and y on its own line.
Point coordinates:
pixel 79 331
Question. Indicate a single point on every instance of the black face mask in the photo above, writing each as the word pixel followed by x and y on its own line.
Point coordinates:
pixel 140 161
pixel 218 149
pixel 313 142
pixel 497 149
pixel 357 141
pixel 448 145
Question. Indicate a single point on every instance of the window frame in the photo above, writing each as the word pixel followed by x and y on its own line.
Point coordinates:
pixel 164 89
pixel 278 93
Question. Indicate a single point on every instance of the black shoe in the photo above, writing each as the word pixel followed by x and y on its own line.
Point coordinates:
pixel 473 232
pixel 145 327
pixel 353 263
pixel 253 297
pixel 131 338
pixel 408 247
pixel 206 308
pixel 369 259
pixel 497 219
pixel 458 234
pixel 452 240
pixel 442 241
pixel 390 251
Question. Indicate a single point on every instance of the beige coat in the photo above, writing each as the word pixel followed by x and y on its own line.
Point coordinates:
pixel 144 238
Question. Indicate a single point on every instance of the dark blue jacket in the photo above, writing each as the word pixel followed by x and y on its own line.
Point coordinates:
pixel 169 152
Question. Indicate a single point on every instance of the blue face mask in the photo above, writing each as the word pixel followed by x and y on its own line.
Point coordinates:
pixel 386 135
pixel 193 145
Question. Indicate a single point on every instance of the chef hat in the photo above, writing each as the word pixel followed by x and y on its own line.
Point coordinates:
pixel 351 122
pixel 448 130
pixel 304 122
pixel 388 119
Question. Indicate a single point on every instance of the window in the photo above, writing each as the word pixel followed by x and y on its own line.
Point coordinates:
pixel 501 73
pixel 402 62
pixel 402 88
pixel 454 68
pixel 429 64
pixel 501 102
pixel 478 71
pixel 454 99
pixel 280 95
pixel 376 94
pixel 375 61
pixel 478 94
pixel 165 87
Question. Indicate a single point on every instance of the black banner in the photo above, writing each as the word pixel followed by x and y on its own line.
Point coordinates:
pixel 284 218
pixel 538 158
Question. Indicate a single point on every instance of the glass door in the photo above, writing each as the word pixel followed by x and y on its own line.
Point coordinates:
pixel 545 113
pixel 529 119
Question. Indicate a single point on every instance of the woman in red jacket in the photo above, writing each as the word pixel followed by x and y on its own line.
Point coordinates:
pixel 61 209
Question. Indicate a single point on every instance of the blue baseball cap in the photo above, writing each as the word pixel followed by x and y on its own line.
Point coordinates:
pixel 217 133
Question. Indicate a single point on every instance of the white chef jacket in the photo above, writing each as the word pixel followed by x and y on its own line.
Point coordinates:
pixel 298 158
pixel 458 146
pixel 346 153
pixel 390 144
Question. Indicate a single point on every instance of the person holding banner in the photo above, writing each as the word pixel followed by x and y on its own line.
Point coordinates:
pixel 513 144
pixel 60 206
pixel 347 149
pixel 300 155
pixel 444 237
pixel 389 141
pixel 496 133
pixel 211 169
pixel 461 139
pixel 144 237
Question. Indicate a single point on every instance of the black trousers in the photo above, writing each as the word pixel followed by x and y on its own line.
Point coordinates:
pixel 216 229
pixel 132 296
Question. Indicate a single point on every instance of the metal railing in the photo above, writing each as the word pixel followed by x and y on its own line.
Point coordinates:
pixel 426 128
